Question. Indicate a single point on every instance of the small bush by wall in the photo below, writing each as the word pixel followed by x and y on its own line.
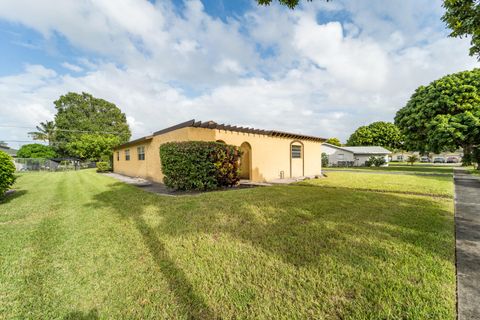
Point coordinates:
pixel 103 166
pixel 324 159
pixel 199 165
pixel 375 161
pixel 7 173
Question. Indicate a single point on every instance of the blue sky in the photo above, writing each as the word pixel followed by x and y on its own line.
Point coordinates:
pixel 322 69
pixel 22 45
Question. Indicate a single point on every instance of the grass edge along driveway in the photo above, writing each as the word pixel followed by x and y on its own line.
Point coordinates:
pixel 418 168
pixel 424 185
pixel 79 244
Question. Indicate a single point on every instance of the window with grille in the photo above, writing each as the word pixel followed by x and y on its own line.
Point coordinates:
pixel 141 153
pixel 296 151
pixel 127 154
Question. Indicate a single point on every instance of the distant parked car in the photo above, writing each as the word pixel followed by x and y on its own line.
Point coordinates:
pixel 438 160
pixel 453 160
pixel 424 159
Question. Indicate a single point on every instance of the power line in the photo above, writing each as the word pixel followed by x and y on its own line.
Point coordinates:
pixel 35 141
pixel 65 130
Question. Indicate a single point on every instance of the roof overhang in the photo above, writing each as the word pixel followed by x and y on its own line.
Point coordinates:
pixel 213 125
pixel 134 142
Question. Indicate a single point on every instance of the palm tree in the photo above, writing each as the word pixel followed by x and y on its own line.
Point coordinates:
pixel 412 159
pixel 45 132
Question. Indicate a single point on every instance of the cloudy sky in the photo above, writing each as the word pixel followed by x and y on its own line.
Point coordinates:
pixel 323 69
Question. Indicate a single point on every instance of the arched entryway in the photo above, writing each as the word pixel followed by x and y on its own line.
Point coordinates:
pixel 246 161
pixel 296 159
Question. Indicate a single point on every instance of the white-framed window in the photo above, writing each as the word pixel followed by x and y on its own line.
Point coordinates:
pixel 340 156
pixel 141 153
pixel 127 154
pixel 296 151
pixel 400 157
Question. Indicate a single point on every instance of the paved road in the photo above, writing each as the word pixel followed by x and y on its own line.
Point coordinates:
pixel 467 226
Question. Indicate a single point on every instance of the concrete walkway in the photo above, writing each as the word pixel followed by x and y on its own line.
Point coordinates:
pixel 160 188
pixel 467 226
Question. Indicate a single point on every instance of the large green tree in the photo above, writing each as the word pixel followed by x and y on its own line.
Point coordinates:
pixel 45 132
pixel 36 150
pixel 380 133
pixel 463 18
pixel 93 147
pixel 334 141
pixel 80 114
pixel 444 115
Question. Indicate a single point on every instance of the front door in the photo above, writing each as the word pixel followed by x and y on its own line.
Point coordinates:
pixel 296 160
pixel 246 161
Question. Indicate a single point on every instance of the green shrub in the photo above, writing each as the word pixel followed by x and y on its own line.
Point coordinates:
pixel 370 162
pixel 7 173
pixel 199 165
pixel 379 161
pixel 103 166
pixel 375 161
pixel 324 159
pixel 36 150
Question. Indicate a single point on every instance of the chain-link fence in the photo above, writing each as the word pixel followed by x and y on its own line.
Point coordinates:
pixel 60 164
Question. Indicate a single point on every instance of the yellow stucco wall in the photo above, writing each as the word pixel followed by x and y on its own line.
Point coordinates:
pixel 269 155
pixel 150 168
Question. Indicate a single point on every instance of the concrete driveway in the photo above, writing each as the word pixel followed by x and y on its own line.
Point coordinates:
pixel 467 226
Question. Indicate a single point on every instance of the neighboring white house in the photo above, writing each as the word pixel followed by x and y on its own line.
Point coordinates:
pixel 353 156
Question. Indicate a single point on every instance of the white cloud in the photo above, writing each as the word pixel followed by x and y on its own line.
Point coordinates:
pixel 270 68
pixel 354 62
pixel 72 67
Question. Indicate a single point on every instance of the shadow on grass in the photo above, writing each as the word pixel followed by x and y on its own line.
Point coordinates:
pixel 9 196
pixel 80 315
pixel 301 225
pixel 189 301
pixel 192 304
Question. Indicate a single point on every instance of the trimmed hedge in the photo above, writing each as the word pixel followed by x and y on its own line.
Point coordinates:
pixel 103 166
pixel 7 173
pixel 375 161
pixel 199 165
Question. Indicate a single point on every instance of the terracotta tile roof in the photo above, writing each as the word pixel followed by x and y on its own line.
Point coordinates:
pixel 226 127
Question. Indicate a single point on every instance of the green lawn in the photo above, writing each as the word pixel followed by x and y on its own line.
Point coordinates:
pixel 440 186
pixel 79 245
pixel 403 167
pixel 474 171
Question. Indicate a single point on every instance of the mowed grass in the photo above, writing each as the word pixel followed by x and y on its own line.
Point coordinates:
pixel 79 245
pixel 438 186
pixel 420 168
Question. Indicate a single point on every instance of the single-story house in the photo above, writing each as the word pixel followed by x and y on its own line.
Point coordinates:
pixel 353 156
pixel 267 154
pixel 9 151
